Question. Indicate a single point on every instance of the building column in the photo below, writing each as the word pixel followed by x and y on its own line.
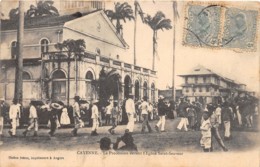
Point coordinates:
pixel 123 92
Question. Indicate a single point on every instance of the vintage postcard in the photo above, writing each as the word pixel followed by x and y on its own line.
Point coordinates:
pixel 129 83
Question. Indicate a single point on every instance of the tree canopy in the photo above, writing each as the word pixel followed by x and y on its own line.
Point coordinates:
pixel 122 11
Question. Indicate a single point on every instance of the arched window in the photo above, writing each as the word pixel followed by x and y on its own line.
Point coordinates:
pixel 128 86
pixel 145 89
pixel 58 75
pixel 89 75
pixel 137 88
pixel 90 87
pixel 26 76
pixel 44 45
pixel 59 85
pixel 13 49
pixel 153 92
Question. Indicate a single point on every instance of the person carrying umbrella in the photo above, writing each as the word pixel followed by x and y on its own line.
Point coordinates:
pixel 55 107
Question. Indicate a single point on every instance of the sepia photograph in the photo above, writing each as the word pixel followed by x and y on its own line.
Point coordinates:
pixel 129 83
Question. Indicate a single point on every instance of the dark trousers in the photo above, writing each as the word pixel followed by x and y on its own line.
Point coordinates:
pixel 146 123
pixel 53 126
pixel 216 135
pixel 114 123
pixel 108 119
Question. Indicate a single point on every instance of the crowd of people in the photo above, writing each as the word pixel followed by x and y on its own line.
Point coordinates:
pixel 238 113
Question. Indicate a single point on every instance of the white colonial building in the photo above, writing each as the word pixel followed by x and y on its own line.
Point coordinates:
pixel 104 49
pixel 204 85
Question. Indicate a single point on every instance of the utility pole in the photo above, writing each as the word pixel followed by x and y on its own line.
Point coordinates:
pixel 135 33
pixel 19 59
pixel 174 19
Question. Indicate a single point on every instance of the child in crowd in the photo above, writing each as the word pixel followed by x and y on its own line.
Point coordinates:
pixel 206 132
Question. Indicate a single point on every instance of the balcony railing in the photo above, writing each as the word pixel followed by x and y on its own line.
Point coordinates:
pixel 145 70
pixel 63 57
pixel 153 72
pixel 137 68
pixel 104 59
pixel 127 65
pixel 117 63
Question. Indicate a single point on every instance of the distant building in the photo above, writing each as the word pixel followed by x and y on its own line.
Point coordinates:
pixel 64 7
pixel 72 6
pixel 204 85
pixel 167 93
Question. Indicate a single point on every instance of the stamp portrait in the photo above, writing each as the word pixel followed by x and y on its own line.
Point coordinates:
pixel 240 28
pixel 203 25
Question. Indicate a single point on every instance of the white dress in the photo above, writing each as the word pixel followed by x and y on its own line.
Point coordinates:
pixel 64 119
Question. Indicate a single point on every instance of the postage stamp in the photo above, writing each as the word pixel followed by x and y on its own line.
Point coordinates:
pixel 203 25
pixel 220 26
pixel 240 29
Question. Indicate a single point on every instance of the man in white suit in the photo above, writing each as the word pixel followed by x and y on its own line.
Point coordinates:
pixel 130 110
pixel 14 114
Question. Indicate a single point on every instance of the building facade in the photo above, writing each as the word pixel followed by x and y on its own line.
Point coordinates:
pixel 46 74
pixel 167 94
pixel 204 85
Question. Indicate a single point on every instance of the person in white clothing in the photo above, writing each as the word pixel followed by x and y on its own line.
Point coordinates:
pixel 150 110
pixel 144 111
pixel 239 118
pixel 33 119
pixel 130 111
pixel 2 107
pixel 162 113
pixel 94 117
pixel 14 114
pixel 77 116
pixel 108 111
pixel 64 118
pixel 218 113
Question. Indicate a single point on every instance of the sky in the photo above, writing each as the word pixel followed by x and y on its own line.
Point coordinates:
pixel 240 66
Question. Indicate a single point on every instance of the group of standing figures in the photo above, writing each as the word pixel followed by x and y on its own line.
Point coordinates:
pixel 52 108
pixel 58 114
pixel 241 113
pixel 236 114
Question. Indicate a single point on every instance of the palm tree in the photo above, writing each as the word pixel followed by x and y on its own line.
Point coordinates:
pixel 158 22
pixel 108 84
pixel 14 14
pixel 42 8
pixel 121 12
pixel 73 48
